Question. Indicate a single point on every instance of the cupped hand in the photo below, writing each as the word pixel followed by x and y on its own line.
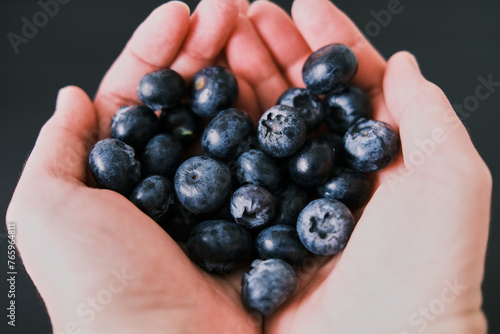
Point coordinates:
pixel 101 265
pixel 415 260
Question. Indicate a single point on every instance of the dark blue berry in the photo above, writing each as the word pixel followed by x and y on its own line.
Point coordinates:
pixel 281 242
pixel 202 184
pixel 162 155
pixel 347 186
pixel 289 203
pixel 312 165
pixel 181 122
pixel 308 105
pixel 219 246
pixel 161 89
pixel 370 145
pixel 212 89
pixel 134 125
pixel 324 226
pixel 267 285
pixel 256 167
pixel 114 166
pixel 329 69
pixel 252 206
pixel 228 135
pixel 154 195
pixel 281 131
pixel 337 143
pixel 343 109
pixel 223 212
pixel 178 222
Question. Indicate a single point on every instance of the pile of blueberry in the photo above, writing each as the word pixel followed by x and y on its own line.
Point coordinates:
pixel 276 192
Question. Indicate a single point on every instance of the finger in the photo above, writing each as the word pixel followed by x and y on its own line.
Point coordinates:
pixel 62 148
pixel 247 100
pixel 249 58
pixel 321 23
pixel 210 26
pixel 425 117
pixel 154 45
pixel 282 39
pixel 243 6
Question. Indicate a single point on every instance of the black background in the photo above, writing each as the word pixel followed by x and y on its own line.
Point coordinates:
pixel 455 43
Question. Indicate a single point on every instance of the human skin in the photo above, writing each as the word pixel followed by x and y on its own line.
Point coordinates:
pixel 425 227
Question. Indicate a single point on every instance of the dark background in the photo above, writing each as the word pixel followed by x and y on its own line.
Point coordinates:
pixel 455 43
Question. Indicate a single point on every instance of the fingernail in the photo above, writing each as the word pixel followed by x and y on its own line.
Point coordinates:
pixel 413 60
pixel 60 98
pixel 185 5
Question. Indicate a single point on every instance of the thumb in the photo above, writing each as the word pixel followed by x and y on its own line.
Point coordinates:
pixel 429 128
pixel 64 142
pixel 60 152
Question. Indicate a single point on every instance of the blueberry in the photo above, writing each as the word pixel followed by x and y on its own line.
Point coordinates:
pixel 154 195
pixel 267 285
pixel 212 89
pixel 219 246
pixel 162 155
pixel 370 145
pixel 281 131
pixel 202 184
pixel 223 212
pixel 337 143
pixel 178 222
pixel 228 135
pixel 324 226
pixel 134 125
pixel 308 105
pixel 192 219
pixel 347 186
pixel 114 166
pixel 252 206
pixel 311 166
pixel 256 167
pixel 281 242
pixel 283 170
pixel 289 203
pixel 161 89
pixel 182 123
pixel 329 69
pixel 343 109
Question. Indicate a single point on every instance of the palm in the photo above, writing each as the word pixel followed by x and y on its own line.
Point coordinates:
pixel 390 275
pixel 103 233
pixel 384 275
pixel 123 238
pixel 162 264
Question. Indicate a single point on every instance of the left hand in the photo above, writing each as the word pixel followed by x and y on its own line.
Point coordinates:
pixel 99 263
